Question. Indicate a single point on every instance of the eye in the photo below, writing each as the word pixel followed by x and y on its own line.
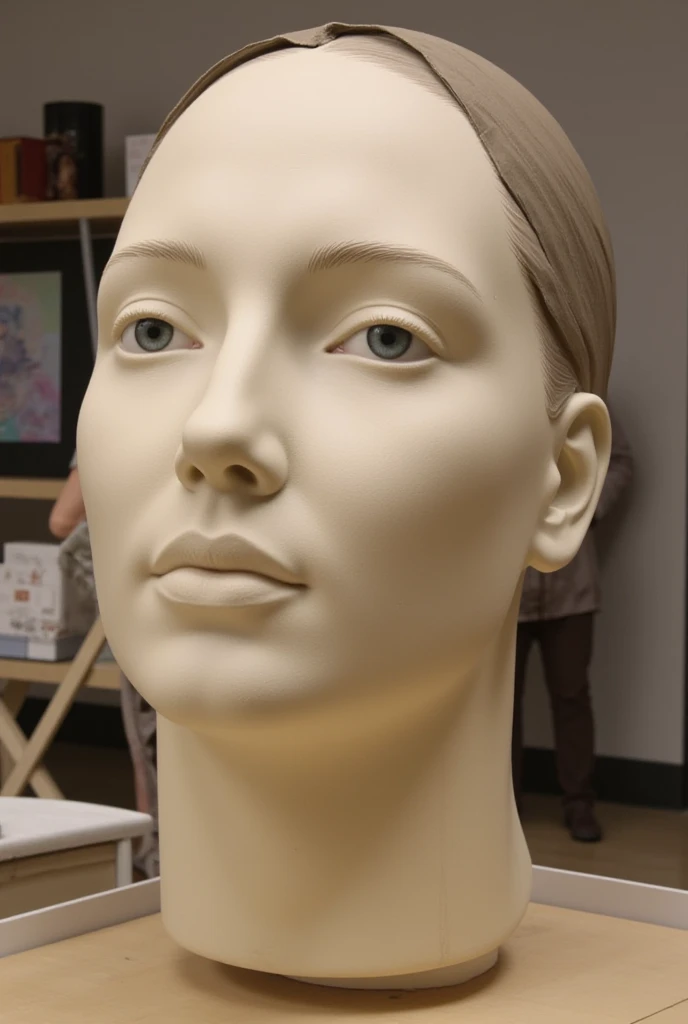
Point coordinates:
pixel 153 335
pixel 386 341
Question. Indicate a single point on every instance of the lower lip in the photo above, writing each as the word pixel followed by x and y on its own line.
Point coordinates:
pixel 211 589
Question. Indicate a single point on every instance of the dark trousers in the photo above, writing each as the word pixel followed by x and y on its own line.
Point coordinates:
pixel 566 646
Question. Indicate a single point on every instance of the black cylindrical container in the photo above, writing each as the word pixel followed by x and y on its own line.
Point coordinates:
pixel 75 150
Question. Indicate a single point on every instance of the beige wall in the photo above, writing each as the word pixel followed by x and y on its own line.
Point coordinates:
pixel 615 74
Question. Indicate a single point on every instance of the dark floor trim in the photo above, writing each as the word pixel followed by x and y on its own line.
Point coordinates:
pixel 618 780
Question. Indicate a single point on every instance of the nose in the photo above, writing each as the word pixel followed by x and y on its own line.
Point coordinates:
pixel 229 443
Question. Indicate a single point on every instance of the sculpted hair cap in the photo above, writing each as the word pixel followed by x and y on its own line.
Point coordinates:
pixel 572 268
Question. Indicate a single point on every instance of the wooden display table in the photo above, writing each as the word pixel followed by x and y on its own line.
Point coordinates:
pixel 561 967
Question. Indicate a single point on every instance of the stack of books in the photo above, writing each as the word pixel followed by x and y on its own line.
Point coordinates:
pixel 23 170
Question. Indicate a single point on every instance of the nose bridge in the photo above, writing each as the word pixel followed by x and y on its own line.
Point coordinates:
pixel 231 439
pixel 235 398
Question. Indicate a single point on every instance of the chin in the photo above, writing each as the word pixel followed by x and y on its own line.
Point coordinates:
pixel 221 686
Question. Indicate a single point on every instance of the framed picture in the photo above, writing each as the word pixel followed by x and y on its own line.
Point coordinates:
pixel 45 353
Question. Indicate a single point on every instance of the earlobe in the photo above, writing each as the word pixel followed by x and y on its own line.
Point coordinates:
pixel 580 457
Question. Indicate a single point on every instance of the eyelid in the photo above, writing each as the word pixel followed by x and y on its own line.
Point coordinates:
pixel 396 315
pixel 155 311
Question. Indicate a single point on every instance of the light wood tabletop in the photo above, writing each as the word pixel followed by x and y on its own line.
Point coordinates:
pixel 674 1015
pixel 561 967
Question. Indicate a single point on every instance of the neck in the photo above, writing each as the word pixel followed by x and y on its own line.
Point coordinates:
pixel 392 851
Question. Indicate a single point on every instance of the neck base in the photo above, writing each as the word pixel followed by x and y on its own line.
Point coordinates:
pixel 441 977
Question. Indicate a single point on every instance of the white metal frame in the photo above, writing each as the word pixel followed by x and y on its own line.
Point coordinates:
pixel 611 897
pixel 78 917
pixel 124 864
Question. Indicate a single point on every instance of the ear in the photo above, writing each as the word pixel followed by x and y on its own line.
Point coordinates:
pixel 582 437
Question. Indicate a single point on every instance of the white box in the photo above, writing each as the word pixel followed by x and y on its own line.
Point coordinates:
pixel 21 647
pixel 32 564
pixel 13 646
pixel 61 649
pixel 137 148
pixel 33 602
pixel 27 552
pixel 26 576
pixel 36 599
pixel 32 627
pixel 46 601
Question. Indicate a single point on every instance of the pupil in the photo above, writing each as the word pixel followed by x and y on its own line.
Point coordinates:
pixel 153 335
pixel 389 342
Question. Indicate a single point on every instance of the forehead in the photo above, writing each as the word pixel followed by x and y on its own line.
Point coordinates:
pixel 299 144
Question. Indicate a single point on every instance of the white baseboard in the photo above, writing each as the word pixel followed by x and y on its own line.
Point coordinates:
pixel 611 897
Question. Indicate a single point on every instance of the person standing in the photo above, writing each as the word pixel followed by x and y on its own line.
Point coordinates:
pixel 68 511
pixel 557 612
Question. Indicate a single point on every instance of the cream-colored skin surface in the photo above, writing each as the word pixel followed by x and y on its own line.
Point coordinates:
pixel 334 758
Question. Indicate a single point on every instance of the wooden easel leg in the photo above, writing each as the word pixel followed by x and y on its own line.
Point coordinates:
pixel 34 750
pixel 12 695
pixel 15 743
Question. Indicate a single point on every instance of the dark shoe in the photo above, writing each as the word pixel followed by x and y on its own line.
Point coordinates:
pixel 582 823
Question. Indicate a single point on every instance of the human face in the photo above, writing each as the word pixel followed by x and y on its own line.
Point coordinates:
pixel 394 475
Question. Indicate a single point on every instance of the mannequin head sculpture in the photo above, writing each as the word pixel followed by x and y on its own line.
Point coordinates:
pixel 354 342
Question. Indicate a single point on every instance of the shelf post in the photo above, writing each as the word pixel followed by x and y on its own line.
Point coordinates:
pixel 89 279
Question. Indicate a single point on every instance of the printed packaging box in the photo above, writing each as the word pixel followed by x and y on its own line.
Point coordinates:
pixel 36 601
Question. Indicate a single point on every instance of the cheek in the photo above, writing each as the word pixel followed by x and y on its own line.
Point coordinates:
pixel 128 436
pixel 433 490
pixel 427 454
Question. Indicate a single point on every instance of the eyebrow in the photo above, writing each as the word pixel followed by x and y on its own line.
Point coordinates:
pixel 345 254
pixel 175 252
pixel 328 257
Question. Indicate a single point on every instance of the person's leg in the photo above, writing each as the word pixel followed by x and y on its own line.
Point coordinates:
pixel 566 652
pixel 524 639
pixel 141 730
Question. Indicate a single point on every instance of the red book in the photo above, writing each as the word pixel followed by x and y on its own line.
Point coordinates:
pixel 23 170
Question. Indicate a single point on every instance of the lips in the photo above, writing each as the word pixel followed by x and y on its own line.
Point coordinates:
pixel 223 573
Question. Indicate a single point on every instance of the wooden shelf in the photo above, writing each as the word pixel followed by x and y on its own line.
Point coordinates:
pixel 103 676
pixel 62 210
pixel 61 218
pixel 30 488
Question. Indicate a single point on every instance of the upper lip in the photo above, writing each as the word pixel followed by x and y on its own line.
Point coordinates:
pixel 227 553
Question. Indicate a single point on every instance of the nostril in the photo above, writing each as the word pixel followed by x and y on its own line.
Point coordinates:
pixel 195 475
pixel 241 474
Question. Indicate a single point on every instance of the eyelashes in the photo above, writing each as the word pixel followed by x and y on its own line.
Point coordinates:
pixel 386 341
pixel 147 330
pixel 378 335
pixel 151 334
